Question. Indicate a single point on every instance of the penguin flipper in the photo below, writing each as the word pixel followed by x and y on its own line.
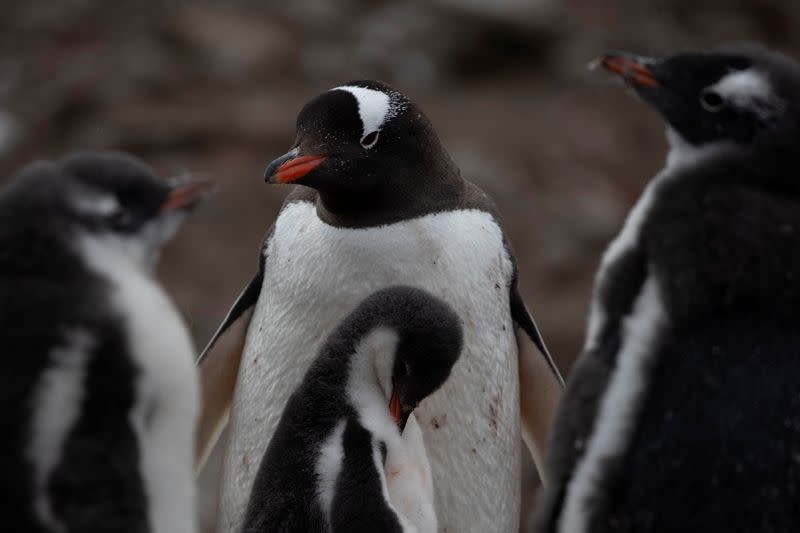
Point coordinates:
pixel 540 384
pixel 539 396
pixel 247 299
pixel 523 318
pixel 218 375
pixel 219 369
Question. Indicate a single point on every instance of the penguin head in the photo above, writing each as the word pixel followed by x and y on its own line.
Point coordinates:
pixel 741 95
pixel 360 144
pixel 415 339
pixel 427 349
pixel 112 197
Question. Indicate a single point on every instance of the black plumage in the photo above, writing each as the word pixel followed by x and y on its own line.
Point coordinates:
pixel 367 158
pixel 49 293
pixel 714 441
pixel 285 494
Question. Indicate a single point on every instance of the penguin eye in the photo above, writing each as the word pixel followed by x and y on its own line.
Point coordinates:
pixel 121 218
pixel 369 140
pixel 711 101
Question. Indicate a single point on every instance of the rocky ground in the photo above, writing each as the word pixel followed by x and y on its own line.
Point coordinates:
pixel 212 89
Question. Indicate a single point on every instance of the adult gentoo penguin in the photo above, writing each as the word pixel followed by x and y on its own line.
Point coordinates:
pixel 325 469
pixel 384 205
pixel 101 393
pixel 682 414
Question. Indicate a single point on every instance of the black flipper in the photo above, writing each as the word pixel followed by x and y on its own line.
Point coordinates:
pixel 246 299
pixel 218 374
pixel 523 318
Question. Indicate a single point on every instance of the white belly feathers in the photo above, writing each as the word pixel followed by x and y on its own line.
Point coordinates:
pixel 409 480
pixel 315 274
pixel 167 389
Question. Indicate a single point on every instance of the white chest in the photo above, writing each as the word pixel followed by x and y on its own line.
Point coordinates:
pixel 167 391
pixel 315 274
pixel 409 480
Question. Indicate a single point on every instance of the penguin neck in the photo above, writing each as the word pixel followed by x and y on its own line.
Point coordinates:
pixel 113 253
pixel 767 163
pixel 369 383
pixel 683 154
pixel 732 249
pixel 418 192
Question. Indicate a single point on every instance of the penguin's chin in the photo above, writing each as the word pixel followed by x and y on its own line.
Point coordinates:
pixel 143 247
pixel 156 233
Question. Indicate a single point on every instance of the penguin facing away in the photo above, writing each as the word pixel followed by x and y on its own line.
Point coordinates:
pixel 101 395
pixel 383 204
pixel 682 412
pixel 327 467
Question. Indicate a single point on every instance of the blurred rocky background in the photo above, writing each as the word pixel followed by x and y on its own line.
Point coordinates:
pixel 213 88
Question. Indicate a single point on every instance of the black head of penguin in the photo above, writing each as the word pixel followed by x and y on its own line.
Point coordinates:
pixel 104 194
pixel 365 147
pixel 744 94
pixel 429 342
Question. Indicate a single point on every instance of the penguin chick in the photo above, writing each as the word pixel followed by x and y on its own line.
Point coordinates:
pixel 101 396
pixel 682 412
pixel 325 468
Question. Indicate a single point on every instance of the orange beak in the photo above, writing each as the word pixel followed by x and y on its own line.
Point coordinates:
pixel 294 168
pixel 394 407
pixel 630 68
pixel 186 195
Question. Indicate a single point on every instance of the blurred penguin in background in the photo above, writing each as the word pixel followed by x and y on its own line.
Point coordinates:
pixel 101 393
pixel 683 412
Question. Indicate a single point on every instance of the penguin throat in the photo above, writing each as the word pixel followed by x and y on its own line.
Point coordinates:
pixel 381 206
pixel 356 208
pixel 369 382
pixel 682 153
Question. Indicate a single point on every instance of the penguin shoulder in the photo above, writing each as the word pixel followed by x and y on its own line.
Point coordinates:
pixel 473 197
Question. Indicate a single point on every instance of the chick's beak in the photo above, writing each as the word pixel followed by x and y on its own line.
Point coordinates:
pixel 292 166
pixel 186 194
pixel 400 412
pixel 635 70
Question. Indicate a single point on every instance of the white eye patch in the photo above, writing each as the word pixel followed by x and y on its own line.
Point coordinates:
pixel 746 89
pixel 374 109
pixel 95 204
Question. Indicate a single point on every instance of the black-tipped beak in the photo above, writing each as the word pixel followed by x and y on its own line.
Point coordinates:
pixel 292 166
pixel 635 70
pixel 186 194
pixel 400 411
